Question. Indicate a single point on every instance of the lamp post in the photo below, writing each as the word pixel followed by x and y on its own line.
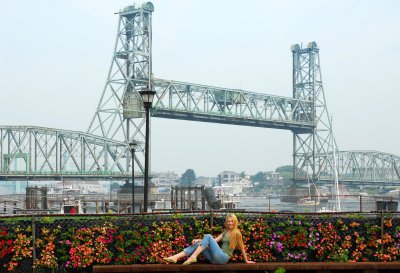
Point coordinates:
pixel 132 146
pixel 147 97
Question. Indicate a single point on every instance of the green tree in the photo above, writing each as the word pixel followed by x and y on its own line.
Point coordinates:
pixel 114 186
pixel 259 177
pixel 188 178
pixel 286 172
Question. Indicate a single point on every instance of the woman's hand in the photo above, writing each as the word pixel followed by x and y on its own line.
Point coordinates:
pixel 250 262
pixel 195 241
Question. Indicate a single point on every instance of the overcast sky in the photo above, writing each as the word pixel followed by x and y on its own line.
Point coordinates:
pixel 55 56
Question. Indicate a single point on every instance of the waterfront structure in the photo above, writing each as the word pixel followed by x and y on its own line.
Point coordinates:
pixel 229 190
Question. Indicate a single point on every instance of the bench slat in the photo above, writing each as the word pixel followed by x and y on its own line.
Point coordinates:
pixel 198 267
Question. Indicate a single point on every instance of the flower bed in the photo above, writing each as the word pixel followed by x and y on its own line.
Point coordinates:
pixel 76 243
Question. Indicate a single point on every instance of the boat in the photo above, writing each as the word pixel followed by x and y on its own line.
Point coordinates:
pixel 273 195
pixel 308 201
pixel 324 209
pixel 162 205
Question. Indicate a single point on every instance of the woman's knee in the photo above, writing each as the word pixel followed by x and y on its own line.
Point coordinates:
pixel 207 236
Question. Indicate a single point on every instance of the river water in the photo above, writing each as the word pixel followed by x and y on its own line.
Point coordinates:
pixel 264 204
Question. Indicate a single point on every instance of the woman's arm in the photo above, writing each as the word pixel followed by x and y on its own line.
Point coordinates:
pixel 219 238
pixel 245 257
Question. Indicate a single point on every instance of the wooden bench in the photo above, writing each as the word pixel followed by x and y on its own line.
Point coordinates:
pixel 270 267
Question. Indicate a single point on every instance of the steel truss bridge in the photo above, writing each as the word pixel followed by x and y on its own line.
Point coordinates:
pixel 102 152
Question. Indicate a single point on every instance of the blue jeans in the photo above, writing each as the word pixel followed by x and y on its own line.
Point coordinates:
pixel 211 250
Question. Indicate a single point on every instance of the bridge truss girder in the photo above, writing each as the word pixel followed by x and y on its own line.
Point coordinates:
pixel 40 153
pixel 44 153
pixel 363 167
pixel 188 101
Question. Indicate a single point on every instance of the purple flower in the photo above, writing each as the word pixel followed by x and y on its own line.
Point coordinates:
pixel 279 247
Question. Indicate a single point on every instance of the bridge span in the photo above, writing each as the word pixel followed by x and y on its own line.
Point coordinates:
pixel 37 153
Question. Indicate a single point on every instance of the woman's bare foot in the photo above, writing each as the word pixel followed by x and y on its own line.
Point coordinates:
pixel 190 261
pixel 171 260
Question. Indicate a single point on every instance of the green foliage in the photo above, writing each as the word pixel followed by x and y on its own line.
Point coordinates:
pixel 114 186
pixel 287 168
pixel 280 270
pixel 259 177
pixel 286 172
pixel 188 178
pixel 142 239
pixel 47 220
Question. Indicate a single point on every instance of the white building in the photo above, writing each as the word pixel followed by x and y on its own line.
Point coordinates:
pixel 228 177
pixel 274 179
pixel 228 190
pixel 246 182
pixel 165 179
pixel 232 183
pixel 204 181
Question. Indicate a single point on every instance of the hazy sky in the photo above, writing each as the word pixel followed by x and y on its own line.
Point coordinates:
pixel 55 56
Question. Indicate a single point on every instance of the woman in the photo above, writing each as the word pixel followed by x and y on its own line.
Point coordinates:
pixel 231 239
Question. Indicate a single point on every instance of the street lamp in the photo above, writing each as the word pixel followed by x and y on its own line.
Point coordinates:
pixel 147 97
pixel 132 146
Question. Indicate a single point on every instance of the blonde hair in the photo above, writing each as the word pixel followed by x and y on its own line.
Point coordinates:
pixel 235 237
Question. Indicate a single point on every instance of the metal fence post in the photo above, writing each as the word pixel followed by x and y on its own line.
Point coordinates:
pixel 382 226
pixel 33 241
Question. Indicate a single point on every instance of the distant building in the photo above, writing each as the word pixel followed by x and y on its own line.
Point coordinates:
pixel 165 179
pixel 227 190
pixel 84 187
pixel 232 183
pixel 274 179
pixel 246 182
pixel 228 177
pixel 204 181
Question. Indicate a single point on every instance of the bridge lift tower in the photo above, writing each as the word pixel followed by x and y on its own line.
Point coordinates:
pixel 311 150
